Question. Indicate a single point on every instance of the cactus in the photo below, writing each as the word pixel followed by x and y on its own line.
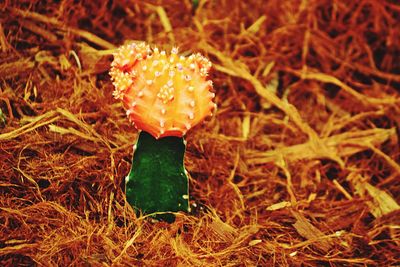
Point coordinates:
pixel 164 96
pixel 157 180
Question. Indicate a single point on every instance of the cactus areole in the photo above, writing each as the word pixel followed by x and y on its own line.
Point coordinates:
pixel 164 96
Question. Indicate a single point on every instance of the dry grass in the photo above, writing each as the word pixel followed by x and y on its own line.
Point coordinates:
pixel 299 167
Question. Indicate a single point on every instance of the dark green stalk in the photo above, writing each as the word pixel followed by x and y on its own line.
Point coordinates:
pixel 157 181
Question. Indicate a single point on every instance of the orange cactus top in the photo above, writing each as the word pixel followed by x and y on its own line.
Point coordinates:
pixel 164 95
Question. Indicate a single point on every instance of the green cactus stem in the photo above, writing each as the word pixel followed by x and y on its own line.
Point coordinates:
pixel 158 181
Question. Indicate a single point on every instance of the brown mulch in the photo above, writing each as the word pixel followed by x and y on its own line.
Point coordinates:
pixel 300 166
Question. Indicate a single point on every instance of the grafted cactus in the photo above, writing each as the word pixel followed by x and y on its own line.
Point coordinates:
pixel 164 96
